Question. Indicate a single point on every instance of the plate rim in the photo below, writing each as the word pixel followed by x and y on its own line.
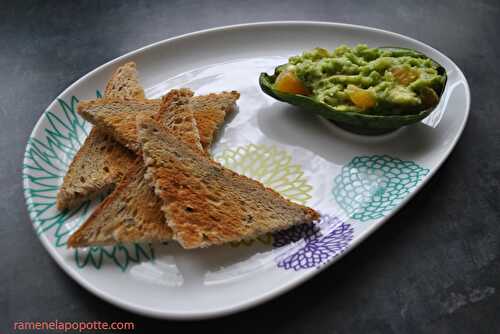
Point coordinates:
pixel 278 290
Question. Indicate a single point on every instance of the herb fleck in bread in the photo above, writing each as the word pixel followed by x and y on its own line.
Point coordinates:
pixel 205 203
pixel 100 162
pixel 132 212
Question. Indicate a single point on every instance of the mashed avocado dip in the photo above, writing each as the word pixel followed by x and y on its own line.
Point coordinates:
pixel 378 81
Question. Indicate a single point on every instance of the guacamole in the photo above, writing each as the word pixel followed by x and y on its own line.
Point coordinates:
pixel 377 81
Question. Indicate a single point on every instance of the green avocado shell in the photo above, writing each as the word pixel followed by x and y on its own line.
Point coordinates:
pixel 361 123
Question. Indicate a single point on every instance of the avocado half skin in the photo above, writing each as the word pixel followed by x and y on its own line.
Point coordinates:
pixel 352 121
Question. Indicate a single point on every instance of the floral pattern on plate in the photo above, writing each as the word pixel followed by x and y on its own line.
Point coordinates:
pixel 313 245
pixel 369 187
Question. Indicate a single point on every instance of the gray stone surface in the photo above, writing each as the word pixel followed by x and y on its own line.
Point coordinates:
pixel 434 267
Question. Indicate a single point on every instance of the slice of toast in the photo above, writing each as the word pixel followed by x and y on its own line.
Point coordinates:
pixel 100 162
pixel 132 212
pixel 117 117
pixel 206 204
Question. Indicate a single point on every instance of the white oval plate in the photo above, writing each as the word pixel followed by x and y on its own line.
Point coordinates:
pixel 356 182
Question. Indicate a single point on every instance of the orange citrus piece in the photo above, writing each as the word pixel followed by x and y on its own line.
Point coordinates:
pixel 361 98
pixel 288 82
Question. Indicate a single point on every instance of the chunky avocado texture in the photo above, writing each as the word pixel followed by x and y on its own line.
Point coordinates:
pixel 401 85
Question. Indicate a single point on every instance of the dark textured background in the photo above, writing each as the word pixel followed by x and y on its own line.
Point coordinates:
pixel 434 267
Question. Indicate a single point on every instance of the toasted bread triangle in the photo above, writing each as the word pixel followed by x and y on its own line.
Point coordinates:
pixel 206 204
pixel 101 162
